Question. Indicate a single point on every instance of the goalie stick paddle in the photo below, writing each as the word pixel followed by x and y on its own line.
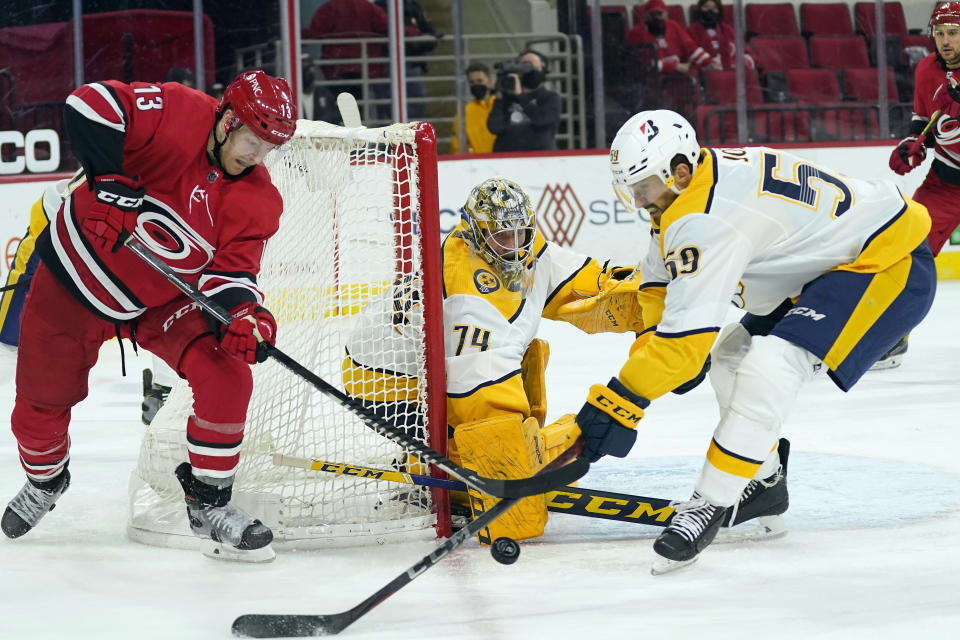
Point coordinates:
pixel 254 625
pixel 577 501
pixel 539 483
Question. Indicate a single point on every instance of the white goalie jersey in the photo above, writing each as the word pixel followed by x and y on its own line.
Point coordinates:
pixel 487 329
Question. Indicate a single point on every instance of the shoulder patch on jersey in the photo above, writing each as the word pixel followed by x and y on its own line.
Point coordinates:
pixel 485 281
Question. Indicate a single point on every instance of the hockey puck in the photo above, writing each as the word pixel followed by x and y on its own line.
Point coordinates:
pixel 505 550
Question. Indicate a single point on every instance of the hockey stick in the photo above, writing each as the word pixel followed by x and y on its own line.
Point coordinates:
pixel 540 483
pixel 577 501
pixel 255 625
pixel 349 111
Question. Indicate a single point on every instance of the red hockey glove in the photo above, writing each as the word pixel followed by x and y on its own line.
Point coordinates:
pixel 251 327
pixel 114 214
pixel 907 155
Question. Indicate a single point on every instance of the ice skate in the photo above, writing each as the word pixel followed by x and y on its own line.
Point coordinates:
pixel 32 502
pixel 232 534
pixel 764 501
pixel 154 395
pixel 892 358
pixel 694 525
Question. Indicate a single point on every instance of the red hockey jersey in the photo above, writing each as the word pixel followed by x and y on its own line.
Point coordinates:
pixel 209 227
pixel 930 95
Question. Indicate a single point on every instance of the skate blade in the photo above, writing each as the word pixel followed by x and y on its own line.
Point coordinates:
pixel 766 528
pixel 889 363
pixel 219 551
pixel 663 565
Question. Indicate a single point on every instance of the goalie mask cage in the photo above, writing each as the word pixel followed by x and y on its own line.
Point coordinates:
pixel 360 224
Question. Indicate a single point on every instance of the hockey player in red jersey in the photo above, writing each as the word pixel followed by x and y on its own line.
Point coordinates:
pixel 935 92
pixel 181 173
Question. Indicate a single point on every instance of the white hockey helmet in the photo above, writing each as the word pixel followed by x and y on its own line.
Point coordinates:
pixel 501 227
pixel 645 146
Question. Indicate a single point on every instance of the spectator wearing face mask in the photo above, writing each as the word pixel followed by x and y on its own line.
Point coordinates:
pixel 476 112
pixel 715 36
pixel 678 52
pixel 525 113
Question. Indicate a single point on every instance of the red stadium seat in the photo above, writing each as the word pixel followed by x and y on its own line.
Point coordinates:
pixel 720 87
pixel 816 86
pixel 831 119
pixel 779 54
pixel 717 119
pixel 779 123
pixel 776 19
pixel 828 19
pixel 862 85
pixel 894 22
pixel 838 52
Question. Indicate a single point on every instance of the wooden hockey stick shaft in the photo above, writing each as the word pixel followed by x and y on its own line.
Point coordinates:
pixel 540 483
pixel 578 501
pixel 255 625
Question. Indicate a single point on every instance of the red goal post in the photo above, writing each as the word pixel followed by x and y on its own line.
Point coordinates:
pixel 361 214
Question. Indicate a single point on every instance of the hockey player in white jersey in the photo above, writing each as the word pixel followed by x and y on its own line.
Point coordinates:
pixel 832 271
pixel 500 276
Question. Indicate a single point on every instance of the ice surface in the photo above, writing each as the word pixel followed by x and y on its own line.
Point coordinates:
pixel 872 551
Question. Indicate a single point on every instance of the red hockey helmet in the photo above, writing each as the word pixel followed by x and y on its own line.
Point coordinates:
pixel 262 103
pixel 946 13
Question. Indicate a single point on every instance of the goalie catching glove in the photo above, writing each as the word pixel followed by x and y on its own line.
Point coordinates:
pixel 114 215
pixel 244 338
pixel 613 309
pixel 608 420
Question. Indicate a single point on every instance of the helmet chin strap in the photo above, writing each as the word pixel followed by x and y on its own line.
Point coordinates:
pixel 672 185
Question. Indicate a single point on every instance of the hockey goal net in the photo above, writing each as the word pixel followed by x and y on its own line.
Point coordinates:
pixel 360 216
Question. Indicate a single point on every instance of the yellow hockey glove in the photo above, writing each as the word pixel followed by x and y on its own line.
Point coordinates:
pixel 608 420
pixel 614 309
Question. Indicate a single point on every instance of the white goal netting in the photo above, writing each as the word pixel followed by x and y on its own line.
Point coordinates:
pixel 348 234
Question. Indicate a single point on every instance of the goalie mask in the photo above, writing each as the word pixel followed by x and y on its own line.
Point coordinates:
pixel 501 227
pixel 644 149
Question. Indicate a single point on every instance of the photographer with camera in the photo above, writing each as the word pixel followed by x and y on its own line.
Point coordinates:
pixel 525 114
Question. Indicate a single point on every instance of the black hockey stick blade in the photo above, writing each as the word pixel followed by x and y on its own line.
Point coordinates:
pixel 254 625
pixel 540 483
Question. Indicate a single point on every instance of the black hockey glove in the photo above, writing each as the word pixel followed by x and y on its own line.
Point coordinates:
pixel 608 420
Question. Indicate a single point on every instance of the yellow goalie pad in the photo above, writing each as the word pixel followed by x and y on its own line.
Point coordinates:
pixel 533 370
pixel 510 448
pixel 559 436
pixel 616 309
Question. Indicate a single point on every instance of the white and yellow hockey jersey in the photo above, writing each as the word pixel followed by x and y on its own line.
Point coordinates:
pixel 752 228
pixel 487 329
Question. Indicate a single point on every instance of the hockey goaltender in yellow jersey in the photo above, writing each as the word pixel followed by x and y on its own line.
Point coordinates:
pixel 500 276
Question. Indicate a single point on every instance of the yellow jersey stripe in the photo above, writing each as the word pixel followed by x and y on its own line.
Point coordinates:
pixel 879 295
pixel 728 462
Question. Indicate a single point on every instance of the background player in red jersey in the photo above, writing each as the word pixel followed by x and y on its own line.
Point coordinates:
pixel 183 174
pixel 934 93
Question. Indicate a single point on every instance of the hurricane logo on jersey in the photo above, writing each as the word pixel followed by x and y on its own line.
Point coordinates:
pixel 486 282
pixel 168 236
pixel 948 131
